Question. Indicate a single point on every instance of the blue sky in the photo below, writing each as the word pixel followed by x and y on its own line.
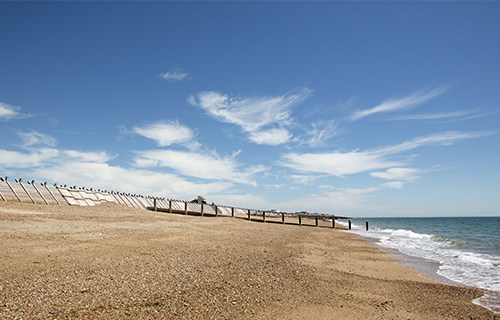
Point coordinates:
pixel 349 108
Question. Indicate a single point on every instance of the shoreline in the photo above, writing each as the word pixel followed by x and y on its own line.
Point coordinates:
pixel 111 261
pixel 430 269
pixel 427 268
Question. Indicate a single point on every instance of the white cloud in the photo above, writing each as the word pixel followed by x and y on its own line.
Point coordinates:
pixel 339 163
pixel 272 137
pixel 333 202
pixel 410 101
pixel 445 139
pixel 8 111
pixel 166 133
pixel 394 184
pixel 338 201
pixel 100 157
pixel 407 174
pixel 90 170
pixel 104 176
pixel 251 114
pixel 247 200
pixel 336 163
pixel 30 159
pixel 36 138
pixel 433 116
pixel 303 179
pixel 38 157
pixel 199 165
pixel 321 131
pixel 177 75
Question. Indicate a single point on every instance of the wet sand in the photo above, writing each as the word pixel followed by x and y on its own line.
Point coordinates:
pixel 112 262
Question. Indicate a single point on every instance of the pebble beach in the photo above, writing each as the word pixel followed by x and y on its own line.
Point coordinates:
pixel 111 261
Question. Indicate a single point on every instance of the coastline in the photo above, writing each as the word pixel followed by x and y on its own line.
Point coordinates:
pixel 111 261
pixel 427 268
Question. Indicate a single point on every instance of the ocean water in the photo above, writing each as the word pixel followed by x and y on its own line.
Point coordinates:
pixel 466 249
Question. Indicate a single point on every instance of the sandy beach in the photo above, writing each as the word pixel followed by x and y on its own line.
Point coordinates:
pixel 112 262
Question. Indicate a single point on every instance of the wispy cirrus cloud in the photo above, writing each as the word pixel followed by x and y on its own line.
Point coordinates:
pixel 413 100
pixel 271 137
pixel 32 138
pixel 208 166
pixel 407 174
pixel 321 131
pixel 177 75
pixel 252 114
pixel 433 116
pixel 81 156
pixel 445 139
pixel 343 163
pixel 394 184
pixel 337 163
pixel 8 112
pixel 302 179
pixel 166 133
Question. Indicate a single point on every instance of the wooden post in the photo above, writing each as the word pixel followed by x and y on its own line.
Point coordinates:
pixel 300 220
pixel 316 221
pixel 155 205
pixel 53 196
pixel 282 218
pixel 170 206
pixel 232 212
pixel 202 209
pixel 12 189
pixel 263 216
pixel 333 223
pixel 366 225
pixel 248 214
pixel 216 211
pixel 26 191
pixel 185 207
pixel 41 195
pixel 349 224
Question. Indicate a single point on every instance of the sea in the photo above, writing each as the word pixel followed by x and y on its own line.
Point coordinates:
pixel 459 250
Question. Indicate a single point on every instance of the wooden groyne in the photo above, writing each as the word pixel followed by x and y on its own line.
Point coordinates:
pixel 44 193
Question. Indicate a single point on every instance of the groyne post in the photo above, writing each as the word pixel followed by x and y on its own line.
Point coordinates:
pixel 282 218
pixel 248 214
pixel 349 224
pixel 202 209
pixel 333 223
pixel 53 196
pixel 155 204
pixel 216 211
pixel 316 221
pixel 232 212
pixel 41 195
pixel 170 206
pixel 366 225
pixel 185 207
pixel 12 189
pixel 263 216
pixel 300 220
pixel 25 191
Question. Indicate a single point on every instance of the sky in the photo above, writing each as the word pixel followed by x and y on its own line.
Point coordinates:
pixel 365 109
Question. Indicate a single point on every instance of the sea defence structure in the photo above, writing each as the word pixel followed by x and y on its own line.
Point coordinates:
pixel 63 195
pixel 72 196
